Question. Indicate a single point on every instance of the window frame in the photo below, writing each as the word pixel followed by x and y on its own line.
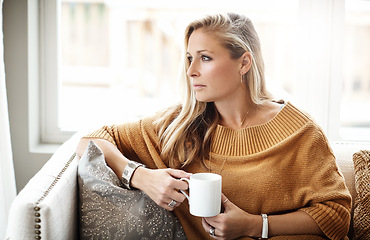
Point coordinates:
pixel 49 73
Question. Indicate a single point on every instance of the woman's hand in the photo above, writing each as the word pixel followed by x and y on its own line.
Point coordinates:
pixel 233 222
pixel 161 185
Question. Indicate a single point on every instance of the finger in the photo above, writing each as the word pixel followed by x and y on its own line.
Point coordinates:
pixel 207 228
pixel 181 185
pixel 175 182
pixel 212 221
pixel 166 206
pixel 223 198
pixel 170 205
pixel 225 202
pixel 178 197
pixel 212 232
pixel 177 202
pixel 170 188
pixel 177 185
pixel 176 173
pixel 205 225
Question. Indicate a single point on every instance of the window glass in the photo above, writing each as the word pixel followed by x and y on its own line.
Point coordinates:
pixel 355 102
pixel 116 64
pixel 120 59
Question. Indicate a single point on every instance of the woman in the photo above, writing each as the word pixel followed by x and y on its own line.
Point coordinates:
pixel 273 158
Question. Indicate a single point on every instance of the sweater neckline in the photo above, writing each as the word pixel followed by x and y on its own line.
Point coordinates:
pixel 255 139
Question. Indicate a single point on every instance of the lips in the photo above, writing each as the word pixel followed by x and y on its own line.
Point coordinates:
pixel 198 86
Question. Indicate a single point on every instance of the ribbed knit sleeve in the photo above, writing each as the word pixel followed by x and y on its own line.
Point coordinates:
pixel 117 135
pixel 333 218
pixel 137 141
pixel 330 205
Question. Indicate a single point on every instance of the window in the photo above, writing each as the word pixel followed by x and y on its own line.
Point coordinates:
pixel 114 61
pixel 118 63
pixel 355 102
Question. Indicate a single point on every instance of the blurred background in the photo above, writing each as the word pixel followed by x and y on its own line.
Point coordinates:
pixel 122 57
pixel 73 66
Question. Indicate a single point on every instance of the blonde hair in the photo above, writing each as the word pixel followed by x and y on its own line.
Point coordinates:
pixel 186 130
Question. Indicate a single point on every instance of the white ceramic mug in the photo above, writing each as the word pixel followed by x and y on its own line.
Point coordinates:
pixel 204 194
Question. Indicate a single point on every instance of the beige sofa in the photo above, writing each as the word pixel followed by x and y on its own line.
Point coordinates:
pixel 47 208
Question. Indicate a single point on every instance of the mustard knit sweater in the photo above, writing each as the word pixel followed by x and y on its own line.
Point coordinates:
pixel 281 166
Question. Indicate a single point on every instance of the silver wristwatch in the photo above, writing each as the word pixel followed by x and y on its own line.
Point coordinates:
pixel 128 171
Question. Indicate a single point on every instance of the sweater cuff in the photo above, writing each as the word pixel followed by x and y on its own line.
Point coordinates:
pixel 332 218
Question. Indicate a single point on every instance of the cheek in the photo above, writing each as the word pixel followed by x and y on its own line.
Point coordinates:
pixel 226 74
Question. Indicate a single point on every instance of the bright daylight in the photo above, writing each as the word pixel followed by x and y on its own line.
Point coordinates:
pixel 185 120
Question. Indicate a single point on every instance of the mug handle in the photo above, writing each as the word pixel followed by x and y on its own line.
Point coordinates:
pixel 183 192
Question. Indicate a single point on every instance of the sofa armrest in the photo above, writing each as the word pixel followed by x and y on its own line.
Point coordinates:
pixel 47 207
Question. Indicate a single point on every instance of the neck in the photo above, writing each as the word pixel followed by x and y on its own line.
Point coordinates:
pixel 236 116
pixel 246 114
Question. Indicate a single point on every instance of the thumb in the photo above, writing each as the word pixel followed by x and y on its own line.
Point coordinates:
pixel 225 202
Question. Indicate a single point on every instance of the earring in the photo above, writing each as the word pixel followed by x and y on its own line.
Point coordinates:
pixel 241 78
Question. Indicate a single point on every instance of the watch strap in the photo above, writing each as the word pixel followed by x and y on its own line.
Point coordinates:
pixel 129 170
pixel 265 227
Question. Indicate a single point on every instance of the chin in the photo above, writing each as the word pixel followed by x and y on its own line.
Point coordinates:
pixel 203 100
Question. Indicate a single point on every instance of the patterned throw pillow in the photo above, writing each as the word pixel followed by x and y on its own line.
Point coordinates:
pixel 361 218
pixel 108 211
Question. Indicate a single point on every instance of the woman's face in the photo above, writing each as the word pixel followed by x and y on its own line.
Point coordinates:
pixel 214 75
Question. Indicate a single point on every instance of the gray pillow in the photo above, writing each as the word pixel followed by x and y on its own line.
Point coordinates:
pixel 108 211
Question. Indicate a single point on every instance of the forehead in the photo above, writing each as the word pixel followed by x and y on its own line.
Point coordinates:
pixel 202 40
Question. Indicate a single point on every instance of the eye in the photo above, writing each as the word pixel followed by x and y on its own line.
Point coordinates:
pixel 190 59
pixel 206 58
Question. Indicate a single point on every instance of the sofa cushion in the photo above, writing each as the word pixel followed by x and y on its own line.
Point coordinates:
pixel 108 211
pixel 361 212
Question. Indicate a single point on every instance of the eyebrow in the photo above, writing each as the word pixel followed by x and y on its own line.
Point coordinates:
pixel 200 51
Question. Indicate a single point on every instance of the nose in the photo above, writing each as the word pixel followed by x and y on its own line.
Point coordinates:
pixel 192 70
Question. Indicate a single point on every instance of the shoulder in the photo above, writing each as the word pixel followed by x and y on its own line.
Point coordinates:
pixel 295 120
pixel 310 128
pixel 272 108
pixel 267 111
pixel 297 112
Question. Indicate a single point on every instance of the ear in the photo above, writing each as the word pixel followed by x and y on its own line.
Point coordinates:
pixel 246 62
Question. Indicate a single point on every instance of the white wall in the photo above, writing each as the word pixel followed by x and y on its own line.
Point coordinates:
pixel 20 55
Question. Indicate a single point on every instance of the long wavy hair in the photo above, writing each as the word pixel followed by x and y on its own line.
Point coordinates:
pixel 186 130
